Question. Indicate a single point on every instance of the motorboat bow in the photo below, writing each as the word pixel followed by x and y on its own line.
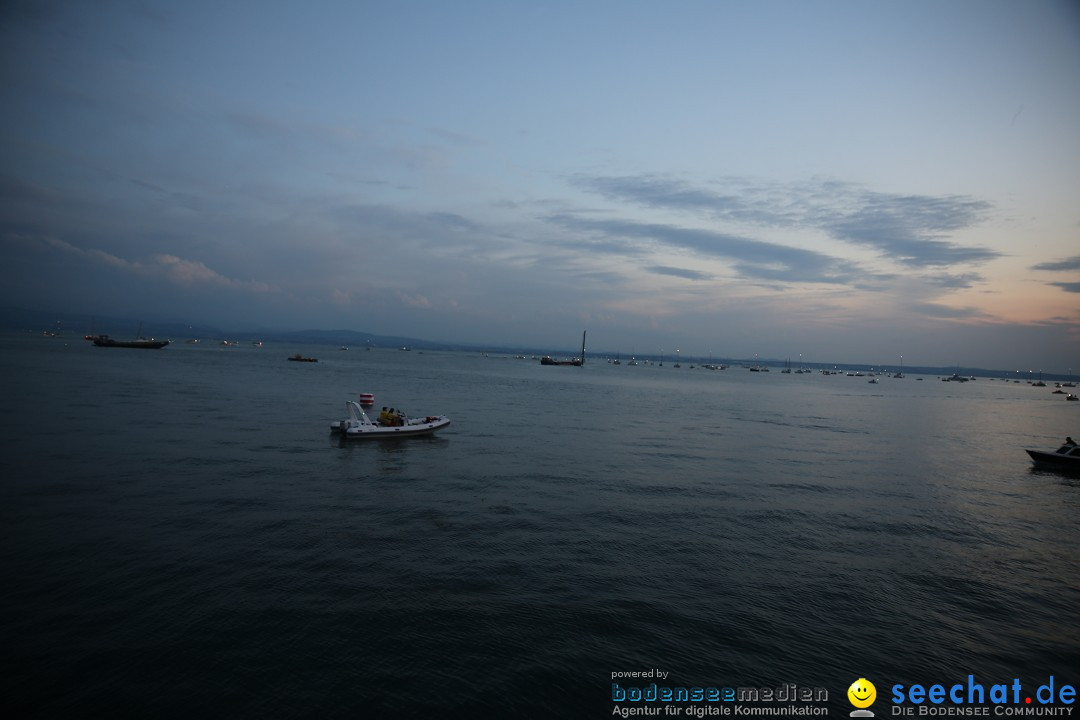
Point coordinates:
pixel 359 426
pixel 1066 457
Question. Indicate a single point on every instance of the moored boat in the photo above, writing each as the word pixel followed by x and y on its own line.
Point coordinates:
pixel 548 360
pixel 575 362
pixel 360 427
pixel 143 343
pixel 300 358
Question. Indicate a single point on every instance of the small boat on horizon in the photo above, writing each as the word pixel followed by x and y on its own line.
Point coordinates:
pixel 300 358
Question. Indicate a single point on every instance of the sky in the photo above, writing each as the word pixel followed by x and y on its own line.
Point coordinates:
pixel 827 180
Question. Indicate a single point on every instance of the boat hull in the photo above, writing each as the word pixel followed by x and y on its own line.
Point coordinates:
pixel 106 341
pixel 1055 460
pixel 551 361
pixel 382 432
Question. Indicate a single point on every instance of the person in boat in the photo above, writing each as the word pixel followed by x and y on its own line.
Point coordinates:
pixel 1069 441
pixel 399 418
pixel 384 417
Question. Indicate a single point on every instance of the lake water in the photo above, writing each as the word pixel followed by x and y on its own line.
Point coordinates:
pixel 184 538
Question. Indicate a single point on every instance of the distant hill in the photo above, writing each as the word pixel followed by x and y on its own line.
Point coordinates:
pixel 121 327
pixel 12 318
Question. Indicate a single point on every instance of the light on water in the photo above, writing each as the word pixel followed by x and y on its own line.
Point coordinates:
pixel 184 537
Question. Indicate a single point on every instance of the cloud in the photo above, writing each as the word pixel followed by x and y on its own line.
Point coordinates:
pixel 909 229
pixel 1073 287
pixel 954 282
pixel 657 192
pixel 19 191
pixel 1064 265
pixel 414 300
pixel 454 138
pixel 680 272
pixel 1072 263
pixel 178 270
pixel 193 272
pixel 391 223
pixel 279 130
pixel 948 312
pixel 29 12
pixel 91 254
pixel 754 259
pixel 187 271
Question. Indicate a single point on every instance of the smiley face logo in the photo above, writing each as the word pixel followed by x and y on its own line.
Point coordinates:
pixel 862 693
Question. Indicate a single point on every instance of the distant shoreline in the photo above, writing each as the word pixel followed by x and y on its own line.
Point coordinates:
pixel 21 321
